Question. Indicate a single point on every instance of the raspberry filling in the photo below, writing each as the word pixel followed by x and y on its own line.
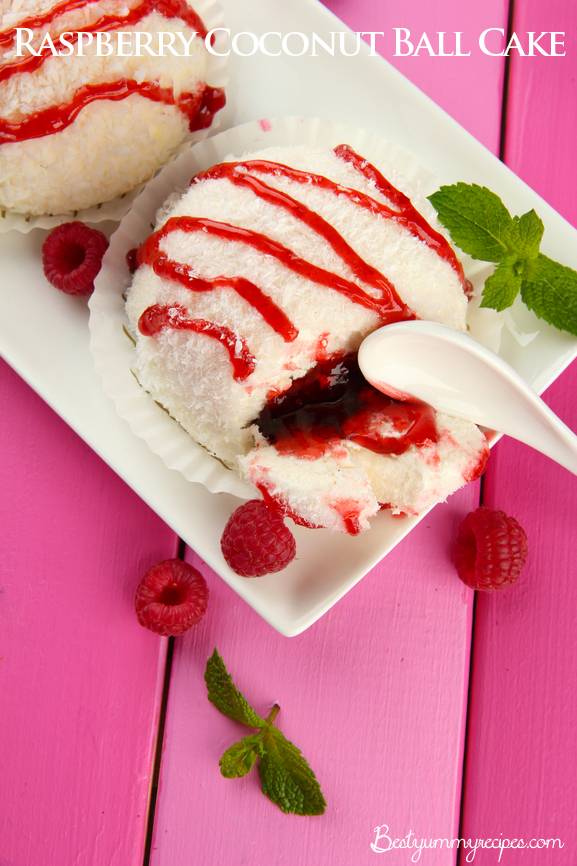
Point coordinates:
pixel 332 402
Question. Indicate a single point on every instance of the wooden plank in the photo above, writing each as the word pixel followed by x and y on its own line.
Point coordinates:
pixel 80 680
pixel 469 88
pixel 522 751
pixel 541 117
pixel 375 693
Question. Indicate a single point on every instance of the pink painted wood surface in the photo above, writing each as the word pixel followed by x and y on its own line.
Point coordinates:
pixel 375 693
pixel 469 88
pixel 79 678
pixel 522 749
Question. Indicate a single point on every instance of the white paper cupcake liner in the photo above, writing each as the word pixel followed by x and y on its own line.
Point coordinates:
pixel 212 15
pixel 112 349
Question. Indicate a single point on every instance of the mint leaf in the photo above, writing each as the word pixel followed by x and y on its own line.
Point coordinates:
pixel 223 693
pixel 476 218
pixel 239 759
pixel 550 290
pixel 526 234
pixel 286 778
pixel 502 287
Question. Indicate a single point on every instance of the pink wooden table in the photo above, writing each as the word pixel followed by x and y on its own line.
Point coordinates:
pixel 418 707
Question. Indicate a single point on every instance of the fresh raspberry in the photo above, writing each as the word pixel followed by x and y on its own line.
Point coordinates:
pixel 71 257
pixel 255 540
pixel 171 597
pixel 490 550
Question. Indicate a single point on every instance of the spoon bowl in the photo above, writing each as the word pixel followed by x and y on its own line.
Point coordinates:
pixel 453 373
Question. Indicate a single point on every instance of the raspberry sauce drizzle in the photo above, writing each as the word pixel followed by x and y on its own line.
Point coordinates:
pixel 151 254
pixel 348 510
pixel 167 8
pixel 408 215
pixel 277 502
pixel 199 107
pixel 35 22
pixel 237 174
pixel 161 317
pixel 387 307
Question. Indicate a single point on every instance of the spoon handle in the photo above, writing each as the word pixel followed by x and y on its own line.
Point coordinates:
pixel 545 432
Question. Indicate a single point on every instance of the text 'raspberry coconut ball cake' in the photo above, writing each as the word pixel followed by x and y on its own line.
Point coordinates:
pixel 81 129
pixel 249 303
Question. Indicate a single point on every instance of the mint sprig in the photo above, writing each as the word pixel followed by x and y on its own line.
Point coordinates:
pixel 480 224
pixel 286 777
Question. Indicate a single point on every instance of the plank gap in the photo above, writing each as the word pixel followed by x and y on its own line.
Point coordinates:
pixel 506 81
pixel 158 747
pixel 158 753
pixel 461 853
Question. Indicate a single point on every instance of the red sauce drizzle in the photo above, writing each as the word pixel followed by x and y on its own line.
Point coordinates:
pixel 198 107
pixel 479 467
pixel 390 306
pixel 166 8
pixel 174 317
pixel 35 22
pixel 348 509
pixel 387 307
pixel 280 504
pixel 333 402
pixel 212 99
pixel 151 254
pixel 407 214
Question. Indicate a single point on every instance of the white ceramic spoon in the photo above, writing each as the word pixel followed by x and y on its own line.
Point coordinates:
pixel 455 374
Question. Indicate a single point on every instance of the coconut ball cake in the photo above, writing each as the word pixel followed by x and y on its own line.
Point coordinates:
pixel 81 129
pixel 249 303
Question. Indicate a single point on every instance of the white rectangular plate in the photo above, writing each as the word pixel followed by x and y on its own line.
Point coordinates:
pixel 50 351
